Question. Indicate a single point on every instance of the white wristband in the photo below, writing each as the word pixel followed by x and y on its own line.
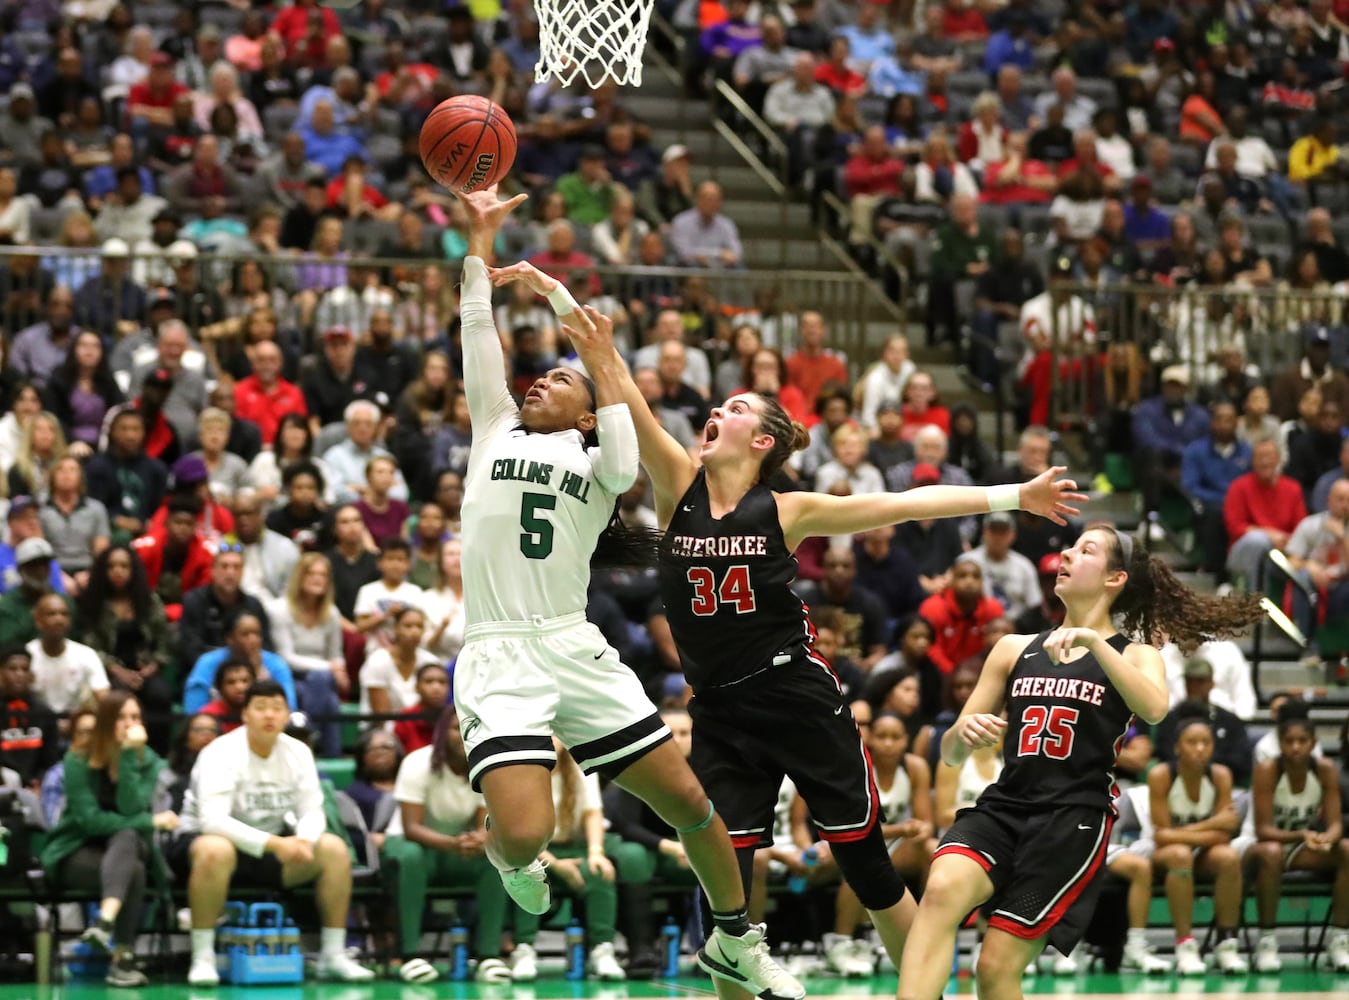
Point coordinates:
pixel 561 301
pixel 1004 497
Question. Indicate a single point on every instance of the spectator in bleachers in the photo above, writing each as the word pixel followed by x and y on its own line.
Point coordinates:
pixel 967 450
pixel 129 483
pixel 963 250
pixel 870 176
pixel 255 810
pixel 1078 109
pixel 1163 427
pixel 885 569
pixel 1200 122
pixel 325 142
pixel 1319 552
pixel 807 31
pixel 1314 370
pixel 1055 321
pixel 1256 420
pixel 103 842
pixel 208 611
pixel 1145 225
pixel 378 756
pixel 703 237
pixel 959 613
pixel 1051 140
pixel 66 673
pixel 930 453
pixel 282 177
pixel 1320 494
pixel 111 301
pixel 813 365
pixel 81 392
pixel 378 603
pixel 1009 577
pixel 1320 239
pixel 836 71
pixel 29 740
pixel 757 68
pixel 849 465
pixel 436 839
pixel 150 102
pixel 670 193
pixel 982 140
pixel 799 107
pixel 885 381
pixel 863 639
pixel 1208 467
pixel 269 556
pixel 1232 747
pixel 589 190
pixel 938 177
pixel 77 523
pixel 417 727
pixel 22 128
pixel 1180 261
pixel 15 212
pixel 39 350
pixel 40 447
pixel 353 564
pixel 348 458
pixel 1314 161
pixel 1317 451
pixel 1286 822
pixel 1018 178
pixel 243 645
pixel 1244 263
pixel 1262 509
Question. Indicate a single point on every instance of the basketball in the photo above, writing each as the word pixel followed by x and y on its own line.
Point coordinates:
pixel 468 143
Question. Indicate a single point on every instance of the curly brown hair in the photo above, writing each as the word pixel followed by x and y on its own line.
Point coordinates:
pixel 1155 605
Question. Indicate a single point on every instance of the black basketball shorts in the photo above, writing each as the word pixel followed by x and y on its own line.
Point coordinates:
pixel 1043 864
pixel 790 720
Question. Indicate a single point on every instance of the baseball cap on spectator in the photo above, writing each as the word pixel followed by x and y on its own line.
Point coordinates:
pixel 1316 336
pixel 31 550
pixel 925 474
pixel 338 333
pixel 1198 670
pixel 1050 563
pixel 159 298
pixel 21 90
pixel 999 519
pixel 676 152
pixel 114 247
pixel 1176 373
pixel 21 505
pixel 190 470
pixel 181 251
pixel 161 60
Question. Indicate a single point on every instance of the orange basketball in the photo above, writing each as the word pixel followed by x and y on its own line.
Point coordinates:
pixel 468 143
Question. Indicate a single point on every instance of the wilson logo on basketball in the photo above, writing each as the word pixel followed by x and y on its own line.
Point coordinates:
pixel 481 168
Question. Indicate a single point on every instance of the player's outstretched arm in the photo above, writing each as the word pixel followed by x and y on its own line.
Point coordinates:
pixel 806 515
pixel 489 399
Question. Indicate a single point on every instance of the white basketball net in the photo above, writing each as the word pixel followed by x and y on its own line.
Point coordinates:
pixel 595 39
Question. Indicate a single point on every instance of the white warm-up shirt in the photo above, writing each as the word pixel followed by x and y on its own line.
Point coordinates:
pixel 534 504
pixel 234 793
pixel 450 802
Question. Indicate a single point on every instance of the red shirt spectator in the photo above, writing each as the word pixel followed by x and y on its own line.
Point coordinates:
pixel 157 91
pixel 415 729
pixel 873 170
pixel 958 616
pixel 963 24
pixel 1022 187
pixel 223 713
pixel 293 23
pixel 196 567
pixel 565 264
pixel 811 367
pixel 1264 499
pixel 837 75
pixel 265 407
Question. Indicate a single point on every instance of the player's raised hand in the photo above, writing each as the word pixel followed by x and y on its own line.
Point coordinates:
pixel 1052 497
pixel 982 729
pixel 486 211
pixel 591 332
pixel 523 273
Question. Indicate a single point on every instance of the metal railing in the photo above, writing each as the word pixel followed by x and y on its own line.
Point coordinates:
pixel 307 294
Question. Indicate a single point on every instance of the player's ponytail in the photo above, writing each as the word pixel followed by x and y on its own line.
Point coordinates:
pixel 788 436
pixel 1155 605
pixel 623 547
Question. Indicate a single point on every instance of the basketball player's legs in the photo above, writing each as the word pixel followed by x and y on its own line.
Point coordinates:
pixel 1002 960
pixel 1177 862
pixel 519 813
pixel 1221 864
pixel 1333 859
pixel 956 886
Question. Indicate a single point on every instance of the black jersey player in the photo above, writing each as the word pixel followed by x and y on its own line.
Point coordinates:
pixel 765 703
pixel 1032 845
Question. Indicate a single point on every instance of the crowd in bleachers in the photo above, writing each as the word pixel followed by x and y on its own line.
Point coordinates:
pixel 233 445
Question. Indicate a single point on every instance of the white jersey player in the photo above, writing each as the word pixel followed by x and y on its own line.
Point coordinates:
pixel 543 480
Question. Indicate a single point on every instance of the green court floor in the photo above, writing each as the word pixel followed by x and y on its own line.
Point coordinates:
pixel 1296 984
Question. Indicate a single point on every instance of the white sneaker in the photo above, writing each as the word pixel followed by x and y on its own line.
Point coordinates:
pixel 1139 957
pixel 343 968
pixel 1229 959
pixel 1065 965
pixel 1338 951
pixel 492 970
pixel 864 955
pixel 840 954
pixel 745 960
pixel 1188 960
pixel 604 963
pixel 203 971
pixel 524 963
pixel 528 886
pixel 1267 954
